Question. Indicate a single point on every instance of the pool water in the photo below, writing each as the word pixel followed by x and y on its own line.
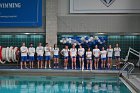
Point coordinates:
pixel 43 84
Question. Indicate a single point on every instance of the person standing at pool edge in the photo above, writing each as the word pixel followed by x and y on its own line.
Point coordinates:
pixel 81 52
pixel 96 54
pixel 109 55
pixel 89 58
pixel 73 54
pixel 103 57
pixel 31 55
pixel 56 56
pixel 40 52
pixel 24 51
pixel 47 55
pixel 117 51
pixel 65 53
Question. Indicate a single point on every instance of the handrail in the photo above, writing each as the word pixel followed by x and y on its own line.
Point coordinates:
pixel 125 60
pixel 130 67
pixel 134 52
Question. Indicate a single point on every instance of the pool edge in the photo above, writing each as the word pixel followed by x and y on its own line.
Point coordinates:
pixel 129 84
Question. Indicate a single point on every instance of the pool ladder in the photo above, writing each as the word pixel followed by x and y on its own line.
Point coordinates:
pixel 129 66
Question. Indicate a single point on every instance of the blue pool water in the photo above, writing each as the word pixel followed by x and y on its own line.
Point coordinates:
pixel 43 84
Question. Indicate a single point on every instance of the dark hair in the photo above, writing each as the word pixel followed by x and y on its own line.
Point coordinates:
pixel 66 45
pixel 80 45
pixel 88 48
pixel 54 46
pixel 73 45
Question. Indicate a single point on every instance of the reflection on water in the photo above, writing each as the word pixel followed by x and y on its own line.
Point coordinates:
pixel 69 86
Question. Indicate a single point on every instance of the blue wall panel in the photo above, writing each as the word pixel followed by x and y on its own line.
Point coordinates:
pixel 24 13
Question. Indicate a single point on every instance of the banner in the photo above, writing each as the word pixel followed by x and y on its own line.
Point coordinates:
pixel 20 13
pixel 104 6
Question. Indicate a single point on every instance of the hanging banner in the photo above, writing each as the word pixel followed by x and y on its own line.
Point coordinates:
pixel 104 6
pixel 20 13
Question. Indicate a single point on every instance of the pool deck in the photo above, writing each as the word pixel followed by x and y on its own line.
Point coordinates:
pixel 133 80
pixel 57 72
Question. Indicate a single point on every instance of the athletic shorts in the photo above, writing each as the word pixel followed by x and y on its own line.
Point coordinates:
pixel 31 58
pixel 73 57
pixel 23 58
pixel 117 57
pixel 47 58
pixel 96 57
pixel 89 59
pixel 109 57
pixel 65 57
pixel 103 58
pixel 56 56
pixel 81 56
pixel 39 58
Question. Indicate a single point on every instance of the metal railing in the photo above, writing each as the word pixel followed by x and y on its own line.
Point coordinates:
pixel 129 66
pixel 134 52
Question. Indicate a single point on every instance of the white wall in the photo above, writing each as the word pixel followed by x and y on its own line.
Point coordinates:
pixel 99 6
pixel 95 22
pixel 58 19
pixel 51 21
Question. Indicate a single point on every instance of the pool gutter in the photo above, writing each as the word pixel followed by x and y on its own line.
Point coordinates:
pixel 52 72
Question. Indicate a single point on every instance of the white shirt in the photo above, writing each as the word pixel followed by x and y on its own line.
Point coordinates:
pixel 81 51
pixel 73 51
pixel 117 51
pixel 40 50
pixel 47 51
pixel 65 52
pixel 89 55
pixel 103 54
pixel 109 52
pixel 55 51
pixel 96 52
pixel 31 51
pixel 25 50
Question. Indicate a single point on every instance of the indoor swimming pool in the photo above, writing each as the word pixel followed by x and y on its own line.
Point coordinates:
pixel 43 84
